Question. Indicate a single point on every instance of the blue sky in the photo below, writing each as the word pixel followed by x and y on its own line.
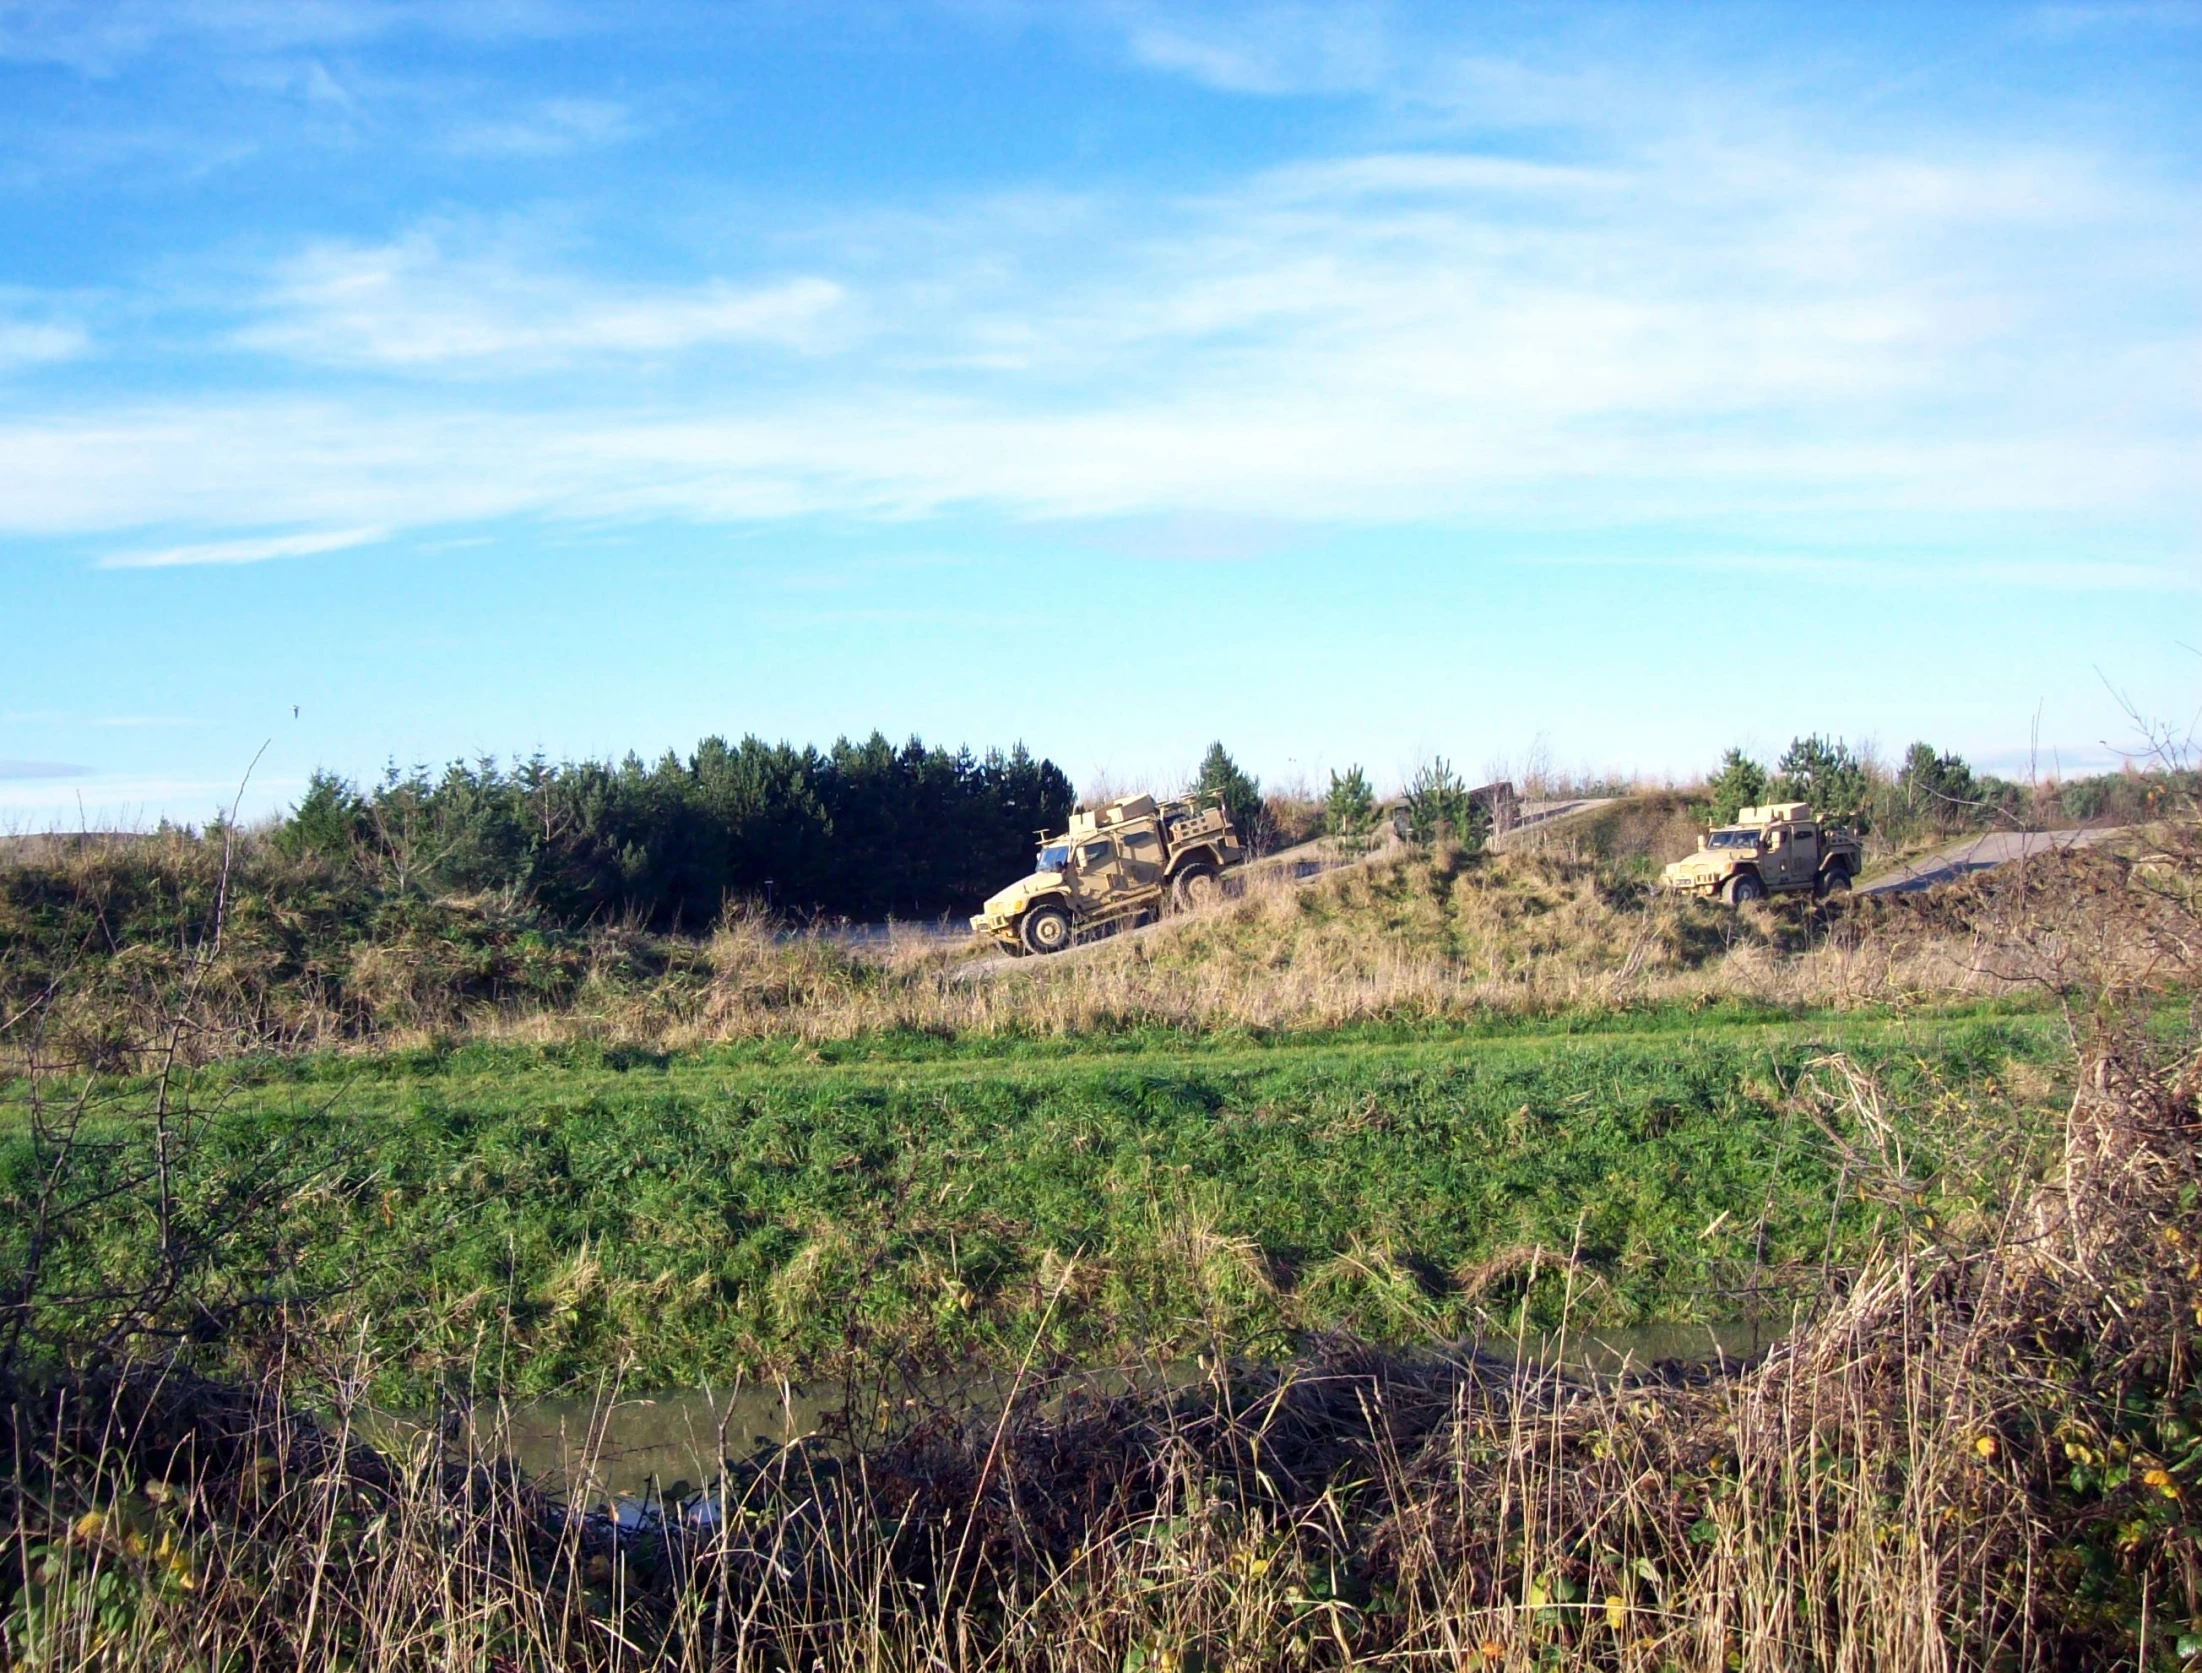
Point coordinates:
pixel 1353 383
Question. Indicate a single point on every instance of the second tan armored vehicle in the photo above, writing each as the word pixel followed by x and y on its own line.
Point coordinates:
pixel 1117 865
pixel 1771 850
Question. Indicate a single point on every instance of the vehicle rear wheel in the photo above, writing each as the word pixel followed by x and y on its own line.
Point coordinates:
pixel 1197 886
pixel 1745 887
pixel 1046 929
pixel 1834 881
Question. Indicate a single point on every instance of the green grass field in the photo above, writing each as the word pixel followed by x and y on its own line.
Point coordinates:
pixel 538 1218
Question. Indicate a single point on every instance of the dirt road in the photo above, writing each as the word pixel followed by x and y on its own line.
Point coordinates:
pixel 1962 859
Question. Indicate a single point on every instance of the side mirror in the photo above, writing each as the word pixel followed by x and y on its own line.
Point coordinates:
pixel 1701 839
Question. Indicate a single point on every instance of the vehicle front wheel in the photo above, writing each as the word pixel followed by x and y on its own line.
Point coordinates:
pixel 1743 888
pixel 1046 929
pixel 1834 881
pixel 1197 886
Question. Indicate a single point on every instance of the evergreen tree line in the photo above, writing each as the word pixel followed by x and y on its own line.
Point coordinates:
pixel 862 830
pixel 1930 792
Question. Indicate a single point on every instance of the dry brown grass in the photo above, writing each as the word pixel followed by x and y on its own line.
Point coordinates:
pixel 1402 939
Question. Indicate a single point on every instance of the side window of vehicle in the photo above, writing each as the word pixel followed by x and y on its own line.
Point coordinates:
pixel 1097 853
pixel 1138 839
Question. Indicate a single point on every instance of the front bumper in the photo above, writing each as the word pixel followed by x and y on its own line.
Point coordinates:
pixel 1691 883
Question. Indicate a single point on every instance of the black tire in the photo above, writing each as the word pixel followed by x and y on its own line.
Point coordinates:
pixel 1744 886
pixel 1045 929
pixel 1196 886
pixel 1834 881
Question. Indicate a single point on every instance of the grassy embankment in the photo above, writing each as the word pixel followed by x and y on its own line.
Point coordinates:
pixel 102 946
pixel 531 1218
pixel 1413 1101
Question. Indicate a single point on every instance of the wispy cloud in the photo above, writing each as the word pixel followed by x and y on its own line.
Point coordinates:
pixel 1915 573
pixel 40 770
pixel 98 40
pixel 1272 49
pixel 256 550
pixel 2060 22
pixel 49 717
pixel 116 802
pixel 550 128
pixel 37 342
pixel 1751 325
pixel 409 305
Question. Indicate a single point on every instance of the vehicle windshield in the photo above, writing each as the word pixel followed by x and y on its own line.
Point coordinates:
pixel 1733 839
pixel 1053 857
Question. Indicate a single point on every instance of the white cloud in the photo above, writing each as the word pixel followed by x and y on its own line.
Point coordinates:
pixel 1755 329
pixel 2060 22
pixel 257 550
pixel 36 343
pixel 551 128
pixel 1423 172
pixel 100 39
pixel 1271 49
pixel 1913 574
pixel 116 802
pixel 409 306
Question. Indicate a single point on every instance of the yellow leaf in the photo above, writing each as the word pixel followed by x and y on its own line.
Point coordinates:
pixel 1617 1611
pixel 1985 1446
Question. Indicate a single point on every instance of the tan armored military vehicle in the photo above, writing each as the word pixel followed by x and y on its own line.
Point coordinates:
pixel 1772 850
pixel 1117 865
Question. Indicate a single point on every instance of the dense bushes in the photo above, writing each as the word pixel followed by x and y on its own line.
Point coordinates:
pixel 862 831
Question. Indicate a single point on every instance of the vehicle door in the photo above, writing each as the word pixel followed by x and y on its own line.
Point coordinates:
pixel 1804 853
pixel 1139 855
pixel 1776 854
pixel 1098 874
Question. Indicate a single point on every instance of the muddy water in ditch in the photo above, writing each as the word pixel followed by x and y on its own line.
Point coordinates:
pixel 671 1443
